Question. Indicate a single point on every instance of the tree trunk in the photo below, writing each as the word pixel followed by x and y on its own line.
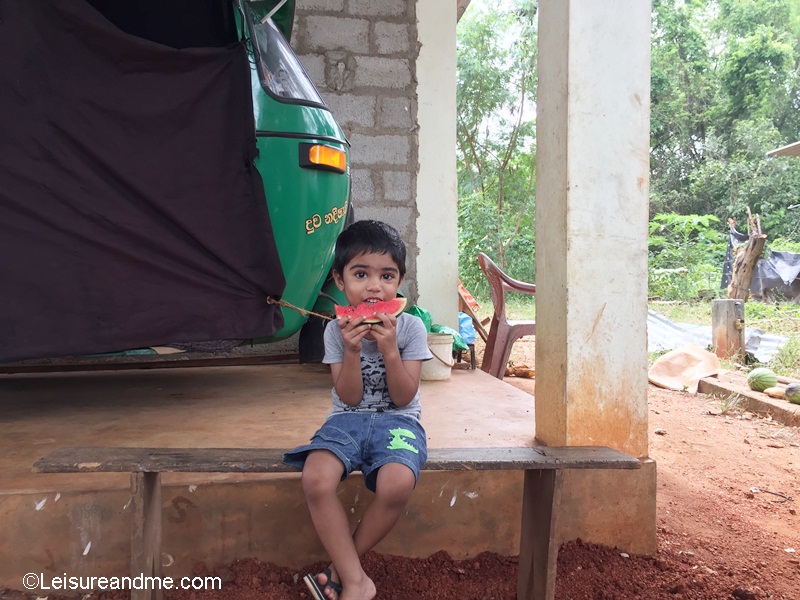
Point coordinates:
pixel 746 258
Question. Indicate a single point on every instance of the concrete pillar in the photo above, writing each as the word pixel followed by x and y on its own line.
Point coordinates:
pixel 437 220
pixel 591 253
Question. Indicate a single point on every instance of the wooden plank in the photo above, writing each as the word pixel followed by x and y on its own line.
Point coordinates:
pixel 163 460
pixel 146 535
pixel 269 460
pixel 735 383
pixel 541 497
pixel 538 552
pixel 164 361
pixel 540 457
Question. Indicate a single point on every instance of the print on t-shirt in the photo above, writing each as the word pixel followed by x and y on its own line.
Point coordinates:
pixel 376 392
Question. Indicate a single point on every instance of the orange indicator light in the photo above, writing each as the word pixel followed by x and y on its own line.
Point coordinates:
pixel 327 157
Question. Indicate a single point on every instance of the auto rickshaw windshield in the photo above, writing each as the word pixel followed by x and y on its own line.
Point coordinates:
pixel 279 70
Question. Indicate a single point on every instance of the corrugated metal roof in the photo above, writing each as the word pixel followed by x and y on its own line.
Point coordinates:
pixel 790 150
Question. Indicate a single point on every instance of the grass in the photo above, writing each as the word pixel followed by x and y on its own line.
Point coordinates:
pixel 729 404
pixel 695 313
pixel 519 306
pixel 781 318
pixel 787 361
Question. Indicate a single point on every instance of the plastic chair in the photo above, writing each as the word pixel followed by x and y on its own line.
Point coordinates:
pixel 502 333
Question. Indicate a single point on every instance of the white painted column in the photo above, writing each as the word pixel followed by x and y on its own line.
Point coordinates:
pixel 591 223
pixel 437 223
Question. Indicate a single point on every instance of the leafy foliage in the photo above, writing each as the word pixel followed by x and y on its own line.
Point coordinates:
pixel 682 93
pixel 724 93
pixel 725 90
pixel 496 139
pixel 787 360
pixel 686 254
pixel 785 245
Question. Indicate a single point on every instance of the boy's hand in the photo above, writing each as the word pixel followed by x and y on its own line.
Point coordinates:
pixel 353 331
pixel 385 334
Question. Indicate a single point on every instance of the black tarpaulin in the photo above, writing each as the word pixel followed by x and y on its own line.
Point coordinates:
pixel 131 214
pixel 775 276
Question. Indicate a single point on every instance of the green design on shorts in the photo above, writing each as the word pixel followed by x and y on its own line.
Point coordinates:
pixel 398 441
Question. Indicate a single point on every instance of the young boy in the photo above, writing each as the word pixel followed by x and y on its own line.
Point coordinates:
pixel 374 425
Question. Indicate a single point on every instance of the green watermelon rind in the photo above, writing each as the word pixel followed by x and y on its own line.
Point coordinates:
pixel 792 393
pixel 761 378
pixel 390 307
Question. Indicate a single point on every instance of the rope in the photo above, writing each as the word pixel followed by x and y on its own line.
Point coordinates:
pixel 298 309
pixel 446 364
pixel 441 360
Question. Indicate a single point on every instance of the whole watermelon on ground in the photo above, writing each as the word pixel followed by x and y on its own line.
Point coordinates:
pixel 761 378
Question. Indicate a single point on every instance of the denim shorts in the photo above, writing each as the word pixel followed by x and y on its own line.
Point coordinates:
pixel 365 441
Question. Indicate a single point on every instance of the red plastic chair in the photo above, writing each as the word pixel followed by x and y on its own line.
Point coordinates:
pixel 502 333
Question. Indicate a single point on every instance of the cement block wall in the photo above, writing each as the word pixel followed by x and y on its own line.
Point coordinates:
pixel 361 55
pixel 86 533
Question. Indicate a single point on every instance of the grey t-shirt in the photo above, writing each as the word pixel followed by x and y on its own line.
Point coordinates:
pixel 412 340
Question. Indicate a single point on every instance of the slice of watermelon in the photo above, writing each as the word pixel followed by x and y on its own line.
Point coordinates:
pixel 390 307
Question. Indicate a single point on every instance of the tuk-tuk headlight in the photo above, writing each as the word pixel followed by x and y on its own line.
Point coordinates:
pixel 320 156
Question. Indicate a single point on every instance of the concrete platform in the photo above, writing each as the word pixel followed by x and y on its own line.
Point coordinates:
pixel 735 382
pixel 79 524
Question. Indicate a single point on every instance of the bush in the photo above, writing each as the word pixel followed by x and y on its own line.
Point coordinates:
pixel 686 255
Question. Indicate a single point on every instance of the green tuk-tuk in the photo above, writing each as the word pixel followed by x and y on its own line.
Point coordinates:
pixel 293 121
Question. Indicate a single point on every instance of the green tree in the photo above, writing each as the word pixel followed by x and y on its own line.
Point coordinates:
pixel 725 92
pixel 753 76
pixel 732 180
pixel 496 138
pixel 682 93
pixel 759 61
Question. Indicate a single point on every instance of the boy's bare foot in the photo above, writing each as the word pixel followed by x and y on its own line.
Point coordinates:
pixel 365 590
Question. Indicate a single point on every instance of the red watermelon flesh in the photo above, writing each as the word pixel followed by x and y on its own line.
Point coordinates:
pixel 368 310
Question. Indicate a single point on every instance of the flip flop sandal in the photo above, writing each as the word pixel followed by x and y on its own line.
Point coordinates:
pixel 336 587
pixel 313 587
pixel 318 592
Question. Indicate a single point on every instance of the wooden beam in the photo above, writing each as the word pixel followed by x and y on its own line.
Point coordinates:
pixel 538 551
pixel 98 459
pixel 146 536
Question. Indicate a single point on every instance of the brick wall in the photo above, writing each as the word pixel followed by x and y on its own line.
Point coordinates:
pixel 361 54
